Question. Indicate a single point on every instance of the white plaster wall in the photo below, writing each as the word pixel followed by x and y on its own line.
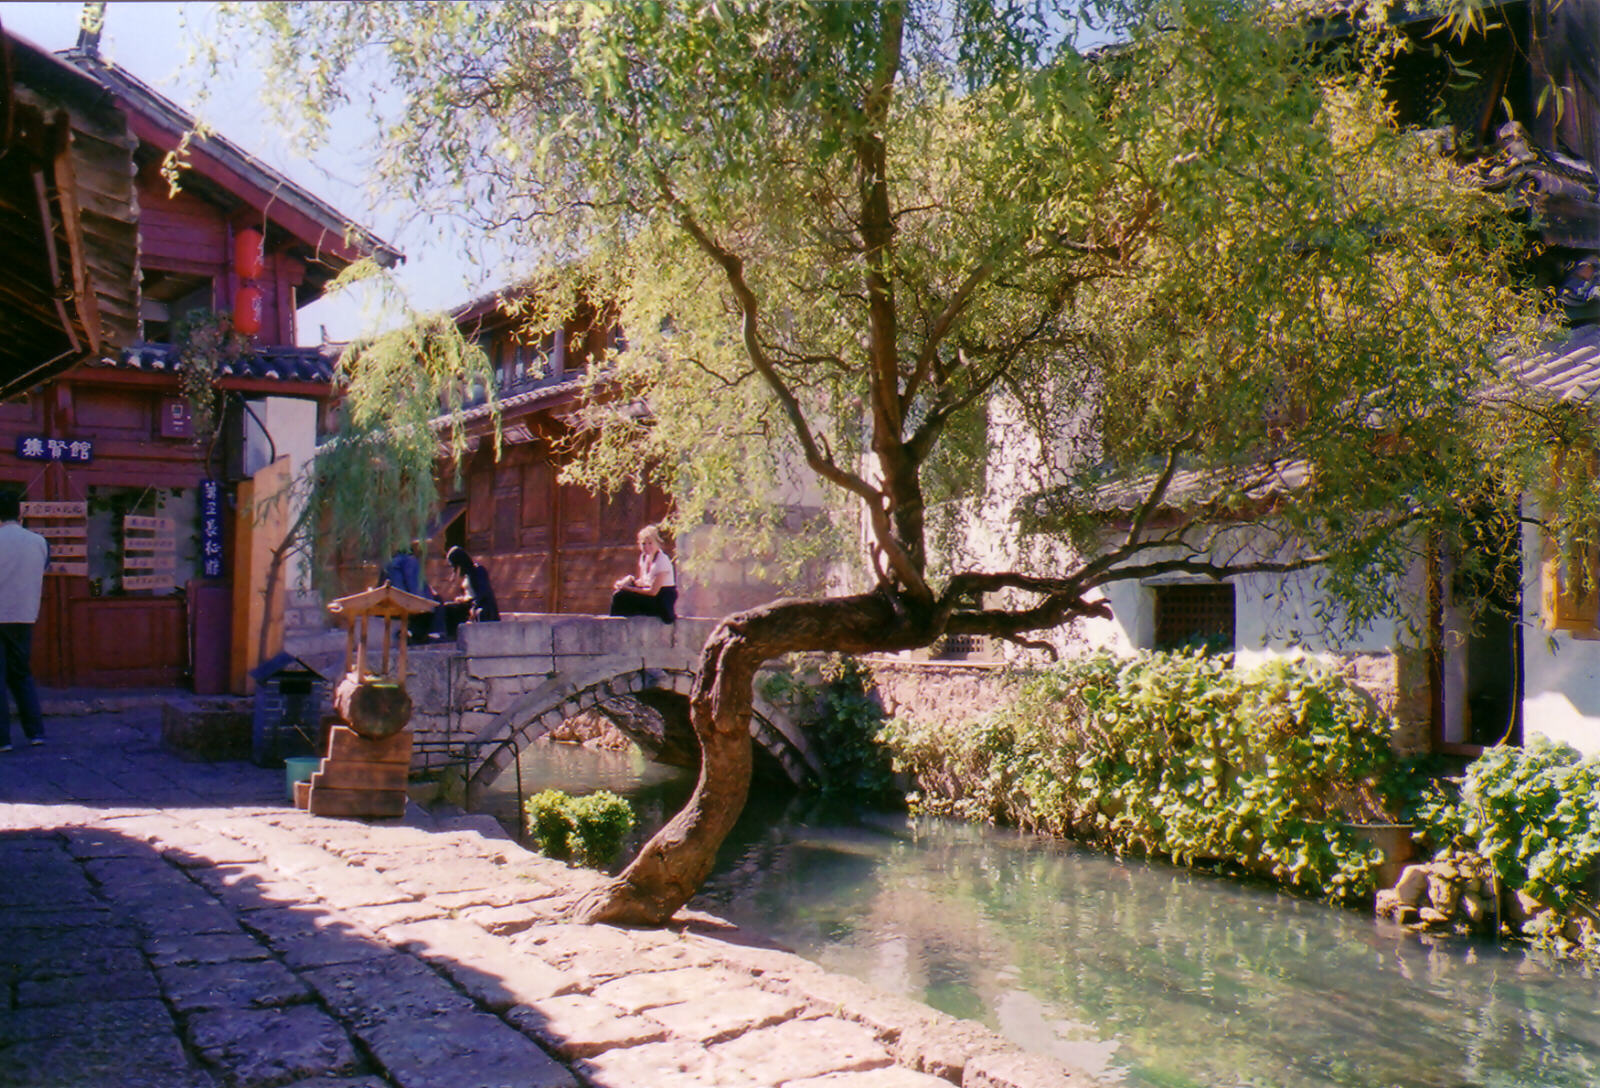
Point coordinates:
pixel 1274 615
pixel 1561 679
pixel 291 423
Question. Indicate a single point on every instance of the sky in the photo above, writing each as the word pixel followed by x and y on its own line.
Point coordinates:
pixel 150 40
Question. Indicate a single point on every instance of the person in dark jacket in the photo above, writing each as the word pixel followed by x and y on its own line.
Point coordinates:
pixel 475 603
pixel 404 572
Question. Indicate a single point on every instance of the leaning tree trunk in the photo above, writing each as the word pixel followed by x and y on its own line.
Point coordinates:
pixel 672 865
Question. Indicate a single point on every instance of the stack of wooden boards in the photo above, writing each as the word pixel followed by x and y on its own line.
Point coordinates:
pixel 358 776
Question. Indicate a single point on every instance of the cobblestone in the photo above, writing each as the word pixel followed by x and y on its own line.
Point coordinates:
pixel 166 924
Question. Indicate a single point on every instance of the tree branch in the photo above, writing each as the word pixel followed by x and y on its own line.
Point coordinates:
pixel 876 499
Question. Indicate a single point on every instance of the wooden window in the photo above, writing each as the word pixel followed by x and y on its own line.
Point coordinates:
pixel 621 517
pixel 480 502
pixel 1570 601
pixel 1570 576
pixel 1190 614
pixel 538 510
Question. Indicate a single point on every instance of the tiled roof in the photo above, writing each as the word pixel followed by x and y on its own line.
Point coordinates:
pixel 334 226
pixel 1568 371
pixel 529 400
pixel 285 364
pixel 1191 487
pixel 1219 490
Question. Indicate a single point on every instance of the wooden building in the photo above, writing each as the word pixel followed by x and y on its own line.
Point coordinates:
pixel 102 267
pixel 549 546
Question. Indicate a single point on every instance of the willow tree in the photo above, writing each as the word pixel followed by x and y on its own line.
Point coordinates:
pixel 370 490
pixel 1165 241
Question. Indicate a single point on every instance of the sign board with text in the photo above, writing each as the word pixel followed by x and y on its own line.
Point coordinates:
pixel 149 553
pixel 211 529
pixel 66 526
pixel 38 447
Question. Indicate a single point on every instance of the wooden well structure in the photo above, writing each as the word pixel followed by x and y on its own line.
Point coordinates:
pixel 364 771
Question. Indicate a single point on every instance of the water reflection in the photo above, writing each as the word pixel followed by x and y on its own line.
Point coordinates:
pixel 1160 976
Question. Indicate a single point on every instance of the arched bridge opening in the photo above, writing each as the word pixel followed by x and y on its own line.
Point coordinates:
pixel 495 748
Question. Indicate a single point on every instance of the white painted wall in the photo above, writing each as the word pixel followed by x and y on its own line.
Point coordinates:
pixel 1561 681
pixel 291 423
pixel 1274 615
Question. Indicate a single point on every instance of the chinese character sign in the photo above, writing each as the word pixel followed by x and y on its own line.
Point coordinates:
pixel 211 529
pixel 37 447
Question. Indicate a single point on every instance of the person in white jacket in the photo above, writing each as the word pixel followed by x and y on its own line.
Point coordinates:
pixel 23 557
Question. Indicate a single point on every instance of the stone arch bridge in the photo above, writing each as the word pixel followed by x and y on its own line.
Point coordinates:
pixel 503 685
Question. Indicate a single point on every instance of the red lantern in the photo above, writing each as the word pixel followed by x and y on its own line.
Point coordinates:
pixel 249 259
pixel 248 307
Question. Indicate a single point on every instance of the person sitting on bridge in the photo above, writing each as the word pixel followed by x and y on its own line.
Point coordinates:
pixel 476 603
pixel 404 572
pixel 653 591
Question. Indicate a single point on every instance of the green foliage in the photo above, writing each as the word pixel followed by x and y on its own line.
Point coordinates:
pixel 588 830
pixel 372 486
pixel 834 704
pixel 548 822
pixel 1532 812
pixel 837 233
pixel 1175 755
pixel 205 342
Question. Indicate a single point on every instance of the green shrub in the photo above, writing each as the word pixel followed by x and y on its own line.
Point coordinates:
pixel 549 823
pixel 835 706
pixel 1175 755
pixel 588 830
pixel 1533 813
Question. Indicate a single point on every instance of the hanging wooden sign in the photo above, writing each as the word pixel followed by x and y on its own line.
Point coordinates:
pixel 55 510
pixel 147 581
pixel 149 553
pixel 160 545
pixel 68 534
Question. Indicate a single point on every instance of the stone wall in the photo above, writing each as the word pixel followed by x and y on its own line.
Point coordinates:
pixel 1398 683
pixel 945 692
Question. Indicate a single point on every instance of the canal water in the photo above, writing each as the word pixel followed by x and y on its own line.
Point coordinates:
pixel 1149 975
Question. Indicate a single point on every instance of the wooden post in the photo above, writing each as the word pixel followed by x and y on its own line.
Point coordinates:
pixel 405 639
pixel 388 635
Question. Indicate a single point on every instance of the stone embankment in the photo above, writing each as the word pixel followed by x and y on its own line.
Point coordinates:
pixel 1457 892
pixel 173 925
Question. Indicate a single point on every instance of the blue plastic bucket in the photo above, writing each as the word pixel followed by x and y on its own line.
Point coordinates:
pixel 298 769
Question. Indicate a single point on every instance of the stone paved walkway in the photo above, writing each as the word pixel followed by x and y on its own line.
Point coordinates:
pixel 166 924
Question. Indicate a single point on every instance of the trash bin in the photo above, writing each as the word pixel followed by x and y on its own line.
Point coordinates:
pixel 298 769
pixel 288 710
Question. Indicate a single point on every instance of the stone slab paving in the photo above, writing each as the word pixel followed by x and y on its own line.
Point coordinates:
pixel 168 924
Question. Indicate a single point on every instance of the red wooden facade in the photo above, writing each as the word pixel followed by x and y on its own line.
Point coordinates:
pixel 98 626
pixel 548 546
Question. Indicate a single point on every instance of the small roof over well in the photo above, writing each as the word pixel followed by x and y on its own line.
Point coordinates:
pixel 380 601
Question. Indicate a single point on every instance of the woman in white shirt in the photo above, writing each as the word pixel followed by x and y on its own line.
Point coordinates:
pixel 653 591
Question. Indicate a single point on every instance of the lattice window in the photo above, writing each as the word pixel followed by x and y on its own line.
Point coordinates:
pixel 1187 615
pixel 957 646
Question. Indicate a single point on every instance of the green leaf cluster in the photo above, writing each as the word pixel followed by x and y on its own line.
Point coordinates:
pixel 834 703
pixel 1212 237
pixel 1532 812
pixel 206 341
pixel 1176 755
pixel 588 830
